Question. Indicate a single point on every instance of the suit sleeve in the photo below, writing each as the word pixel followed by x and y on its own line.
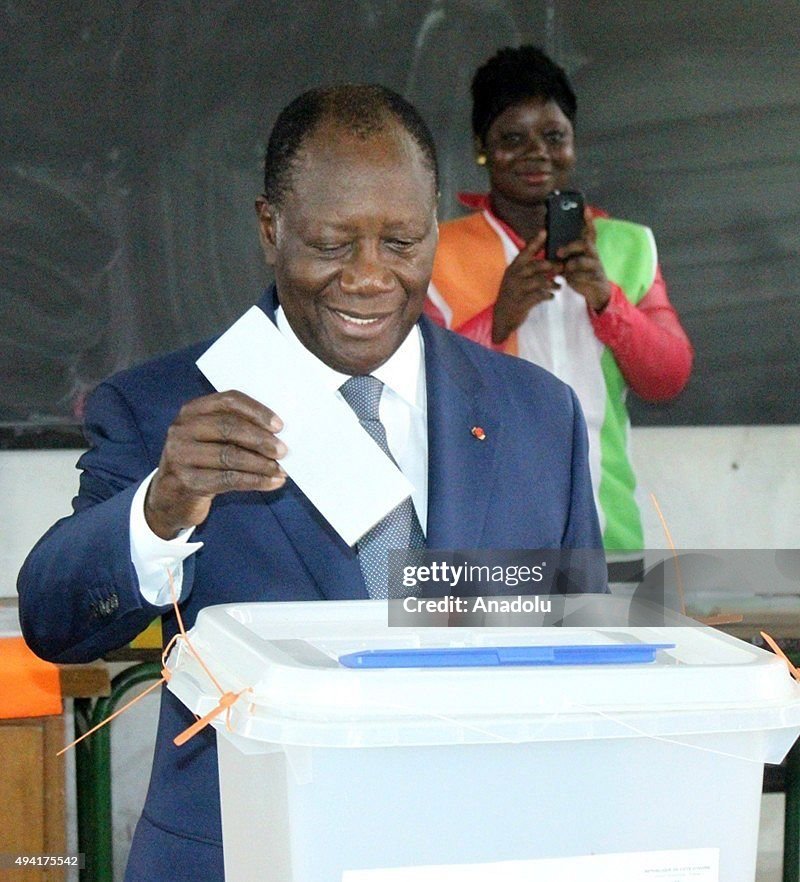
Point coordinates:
pixel 582 531
pixel 78 591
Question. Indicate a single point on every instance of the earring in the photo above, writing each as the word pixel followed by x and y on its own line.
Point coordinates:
pixel 481 159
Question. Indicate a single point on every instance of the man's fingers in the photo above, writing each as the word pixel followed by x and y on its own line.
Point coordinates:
pixel 218 443
pixel 180 494
pixel 224 429
pixel 226 456
pixel 229 418
pixel 210 482
pixel 231 405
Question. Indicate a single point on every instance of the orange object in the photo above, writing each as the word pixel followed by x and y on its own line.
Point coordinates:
pixel 227 699
pixel 29 686
pixel 781 654
pixel 678 577
pixel 469 287
pixel 225 703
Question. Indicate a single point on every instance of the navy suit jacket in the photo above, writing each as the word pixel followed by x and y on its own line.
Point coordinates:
pixel 525 486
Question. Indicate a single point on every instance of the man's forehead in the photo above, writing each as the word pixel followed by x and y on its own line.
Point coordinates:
pixel 332 141
pixel 333 145
pixel 336 163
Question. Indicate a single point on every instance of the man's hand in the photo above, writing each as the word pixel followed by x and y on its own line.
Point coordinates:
pixel 217 443
pixel 582 268
pixel 527 282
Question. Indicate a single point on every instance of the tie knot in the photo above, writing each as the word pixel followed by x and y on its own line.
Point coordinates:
pixel 363 394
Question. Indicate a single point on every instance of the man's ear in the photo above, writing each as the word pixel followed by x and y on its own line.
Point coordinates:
pixel 267 229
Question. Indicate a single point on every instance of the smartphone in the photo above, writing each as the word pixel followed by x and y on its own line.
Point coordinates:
pixel 564 220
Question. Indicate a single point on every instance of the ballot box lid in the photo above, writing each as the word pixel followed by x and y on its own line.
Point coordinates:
pixel 304 675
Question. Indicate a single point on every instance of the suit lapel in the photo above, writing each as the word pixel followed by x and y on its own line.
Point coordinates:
pixel 460 465
pixel 332 564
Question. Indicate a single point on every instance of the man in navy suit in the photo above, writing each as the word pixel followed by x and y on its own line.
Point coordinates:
pixel 185 479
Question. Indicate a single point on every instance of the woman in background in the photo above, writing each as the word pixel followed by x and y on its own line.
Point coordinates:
pixel 598 316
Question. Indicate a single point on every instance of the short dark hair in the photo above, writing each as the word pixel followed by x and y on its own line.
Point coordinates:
pixel 513 75
pixel 362 109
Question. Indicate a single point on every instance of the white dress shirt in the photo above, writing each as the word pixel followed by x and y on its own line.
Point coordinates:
pixel 403 411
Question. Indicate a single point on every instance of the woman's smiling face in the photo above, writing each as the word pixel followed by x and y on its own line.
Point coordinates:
pixel 530 151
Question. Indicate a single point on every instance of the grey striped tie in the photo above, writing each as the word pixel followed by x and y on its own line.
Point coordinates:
pixel 398 529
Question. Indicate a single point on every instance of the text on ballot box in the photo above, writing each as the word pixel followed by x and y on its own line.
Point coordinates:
pixel 327 769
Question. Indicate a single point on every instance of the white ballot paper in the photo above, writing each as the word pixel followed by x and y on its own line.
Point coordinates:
pixel 330 457
pixel 680 865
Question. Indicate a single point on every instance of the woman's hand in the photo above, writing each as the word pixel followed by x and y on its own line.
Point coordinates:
pixel 582 269
pixel 527 281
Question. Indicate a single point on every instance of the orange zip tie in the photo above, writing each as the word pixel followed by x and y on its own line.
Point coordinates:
pixel 721 619
pixel 781 654
pixel 165 675
pixel 185 636
pixel 225 700
pixel 225 703
pixel 679 578
pixel 712 621
pixel 116 713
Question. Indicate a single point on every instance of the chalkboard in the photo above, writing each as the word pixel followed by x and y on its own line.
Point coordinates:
pixel 133 138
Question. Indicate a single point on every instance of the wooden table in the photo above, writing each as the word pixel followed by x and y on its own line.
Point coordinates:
pixel 32 781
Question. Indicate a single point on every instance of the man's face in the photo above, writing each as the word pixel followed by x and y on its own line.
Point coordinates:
pixel 352 245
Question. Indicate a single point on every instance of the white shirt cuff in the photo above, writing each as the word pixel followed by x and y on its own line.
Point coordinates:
pixel 153 556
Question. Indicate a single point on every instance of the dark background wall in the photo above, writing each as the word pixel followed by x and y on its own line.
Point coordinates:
pixel 133 136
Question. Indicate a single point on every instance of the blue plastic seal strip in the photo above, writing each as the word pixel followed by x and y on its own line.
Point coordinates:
pixel 496 656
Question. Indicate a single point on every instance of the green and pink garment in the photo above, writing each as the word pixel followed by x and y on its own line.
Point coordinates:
pixel 636 341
